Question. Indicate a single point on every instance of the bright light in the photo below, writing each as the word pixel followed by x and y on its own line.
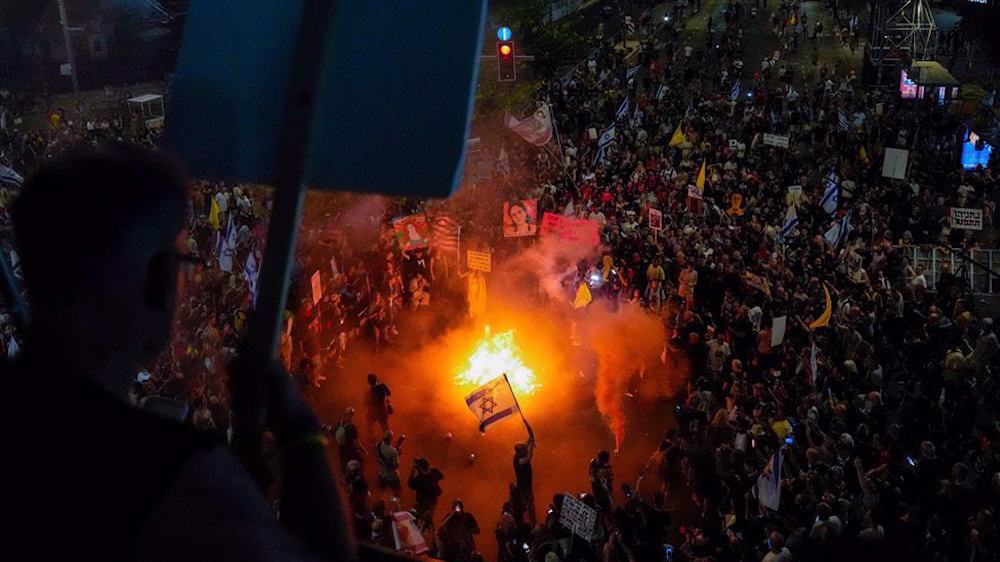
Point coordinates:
pixel 505 50
pixel 495 355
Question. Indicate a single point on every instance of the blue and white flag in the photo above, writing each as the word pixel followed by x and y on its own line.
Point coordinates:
pixel 735 92
pixel 9 177
pixel 661 92
pixel 492 402
pixel 791 221
pixel 769 482
pixel 250 270
pixel 607 137
pixel 225 246
pixel 838 233
pixel 12 348
pixel 622 109
pixel 636 117
pixel 842 119
pixel 632 72
pixel 831 194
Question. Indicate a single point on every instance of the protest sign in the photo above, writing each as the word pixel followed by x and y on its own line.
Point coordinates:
pixel 655 220
pixel 780 141
pixel 778 324
pixel 479 261
pixel 894 165
pixel 966 219
pixel 412 232
pixel 317 288
pixel 520 218
pixel 578 517
pixel 571 230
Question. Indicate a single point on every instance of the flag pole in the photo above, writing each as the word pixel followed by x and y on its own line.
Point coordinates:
pixel 520 413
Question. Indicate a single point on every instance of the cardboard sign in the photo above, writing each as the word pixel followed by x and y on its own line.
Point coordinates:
pixel 794 195
pixel 780 141
pixel 575 231
pixel 376 86
pixel 520 218
pixel 655 219
pixel 578 517
pixel 479 261
pixel 412 232
pixel 966 219
pixel 317 288
pixel 895 163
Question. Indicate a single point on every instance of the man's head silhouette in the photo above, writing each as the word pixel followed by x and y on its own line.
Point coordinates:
pixel 98 233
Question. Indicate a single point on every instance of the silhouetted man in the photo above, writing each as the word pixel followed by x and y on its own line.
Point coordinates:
pixel 90 477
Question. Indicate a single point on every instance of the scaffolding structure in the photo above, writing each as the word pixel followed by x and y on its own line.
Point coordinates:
pixel 902 31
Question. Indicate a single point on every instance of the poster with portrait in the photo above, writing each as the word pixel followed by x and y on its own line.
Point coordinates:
pixel 520 218
pixel 655 219
pixel 412 232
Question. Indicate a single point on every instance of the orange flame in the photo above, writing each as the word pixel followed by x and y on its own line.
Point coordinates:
pixel 495 355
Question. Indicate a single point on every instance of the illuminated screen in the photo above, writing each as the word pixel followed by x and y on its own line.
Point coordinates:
pixel 972 157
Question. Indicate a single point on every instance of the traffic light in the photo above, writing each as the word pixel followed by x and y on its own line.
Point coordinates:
pixel 506 64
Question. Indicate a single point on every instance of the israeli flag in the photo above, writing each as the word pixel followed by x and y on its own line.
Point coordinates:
pixel 607 137
pixel 632 72
pixel 791 221
pixel 492 402
pixel 831 195
pixel 250 274
pixel 226 247
pixel 842 119
pixel 838 233
pixel 735 92
pixel 769 482
pixel 661 92
pixel 636 117
pixel 622 110
pixel 12 348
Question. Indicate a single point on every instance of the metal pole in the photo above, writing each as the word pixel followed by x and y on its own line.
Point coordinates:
pixel 69 45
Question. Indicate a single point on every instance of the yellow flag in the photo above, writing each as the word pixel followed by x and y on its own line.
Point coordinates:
pixel 213 215
pixel 700 182
pixel 583 297
pixel 678 138
pixel 864 155
pixel 824 319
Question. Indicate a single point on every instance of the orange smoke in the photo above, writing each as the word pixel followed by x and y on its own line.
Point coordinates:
pixel 629 347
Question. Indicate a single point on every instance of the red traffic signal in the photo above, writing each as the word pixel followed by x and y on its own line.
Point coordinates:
pixel 506 61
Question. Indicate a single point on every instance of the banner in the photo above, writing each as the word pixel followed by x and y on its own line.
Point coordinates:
pixel 571 230
pixel 655 219
pixel 412 232
pixel 536 129
pixel 520 218
pixel 780 141
pixel 966 219
pixel 479 261
pixel 447 234
pixel 317 288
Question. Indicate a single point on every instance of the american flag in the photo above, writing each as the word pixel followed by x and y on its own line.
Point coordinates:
pixel 446 232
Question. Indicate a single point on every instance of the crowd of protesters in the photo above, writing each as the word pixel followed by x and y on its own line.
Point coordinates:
pixel 882 403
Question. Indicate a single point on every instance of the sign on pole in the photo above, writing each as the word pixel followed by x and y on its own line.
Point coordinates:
pixel 655 219
pixel 966 219
pixel 479 261
pixel 578 517
pixel 780 141
pixel 778 324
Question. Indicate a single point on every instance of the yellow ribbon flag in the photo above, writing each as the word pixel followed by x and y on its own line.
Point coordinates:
pixel 477 294
pixel 213 215
pixel 583 297
pixel 864 155
pixel 700 182
pixel 678 138
pixel 824 319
